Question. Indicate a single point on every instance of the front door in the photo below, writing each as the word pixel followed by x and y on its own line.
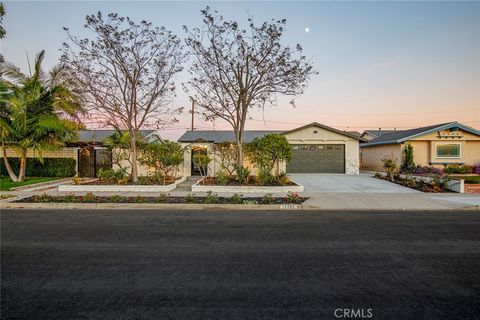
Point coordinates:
pixel 86 162
pixel 195 167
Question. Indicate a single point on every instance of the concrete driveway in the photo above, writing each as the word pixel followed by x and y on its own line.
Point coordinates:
pixel 345 183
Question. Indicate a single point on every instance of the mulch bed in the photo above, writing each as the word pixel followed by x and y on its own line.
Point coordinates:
pixel 89 198
pixel 130 183
pixel 212 181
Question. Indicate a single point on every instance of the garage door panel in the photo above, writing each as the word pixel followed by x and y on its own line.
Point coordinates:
pixel 321 158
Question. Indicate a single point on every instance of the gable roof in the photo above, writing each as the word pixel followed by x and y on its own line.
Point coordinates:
pixel 228 135
pixel 99 136
pixel 377 133
pixel 404 135
pixel 222 135
pixel 350 134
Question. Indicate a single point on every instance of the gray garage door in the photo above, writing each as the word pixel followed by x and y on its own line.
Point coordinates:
pixel 317 158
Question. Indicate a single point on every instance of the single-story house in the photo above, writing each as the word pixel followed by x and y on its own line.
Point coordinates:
pixel 437 145
pixel 88 150
pixel 316 148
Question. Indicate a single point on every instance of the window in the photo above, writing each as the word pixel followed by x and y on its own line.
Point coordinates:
pixel 450 150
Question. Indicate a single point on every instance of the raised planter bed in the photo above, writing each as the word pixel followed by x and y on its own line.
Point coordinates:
pixel 293 187
pixel 455 185
pixel 163 199
pixel 119 188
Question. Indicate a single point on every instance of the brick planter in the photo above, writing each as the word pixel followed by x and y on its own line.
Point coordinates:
pixel 472 188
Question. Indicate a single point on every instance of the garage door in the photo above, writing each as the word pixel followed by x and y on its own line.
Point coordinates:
pixel 317 158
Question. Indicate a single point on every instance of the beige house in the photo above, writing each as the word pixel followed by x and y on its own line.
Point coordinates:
pixel 436 145
pixel 316 148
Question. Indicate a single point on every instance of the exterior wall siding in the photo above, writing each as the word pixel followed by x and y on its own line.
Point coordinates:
pixel 371 156
pixel 64 152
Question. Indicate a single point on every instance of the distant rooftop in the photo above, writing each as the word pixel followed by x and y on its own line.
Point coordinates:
pixel 99 136
pixel 222 135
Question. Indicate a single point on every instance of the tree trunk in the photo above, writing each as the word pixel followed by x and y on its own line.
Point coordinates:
pixel 12 174
pixel 133 153
pixel 239 152
pixel 23 165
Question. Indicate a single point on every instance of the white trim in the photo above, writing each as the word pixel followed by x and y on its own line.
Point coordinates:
pixel 448 157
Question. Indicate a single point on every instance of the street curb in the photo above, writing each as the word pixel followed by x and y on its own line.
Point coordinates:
pixel 200 207
pixel 159 206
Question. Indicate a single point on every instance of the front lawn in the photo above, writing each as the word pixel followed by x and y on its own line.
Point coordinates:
pixel 6 183
pixel 468 179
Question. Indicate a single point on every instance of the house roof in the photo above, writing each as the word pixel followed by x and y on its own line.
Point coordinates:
pixel 351 134
pixel 378 133
pixel 404 135
pixel 222 135
pixel 99 136
pixel 228 135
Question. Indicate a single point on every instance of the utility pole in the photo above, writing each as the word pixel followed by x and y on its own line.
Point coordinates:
pixel 193 112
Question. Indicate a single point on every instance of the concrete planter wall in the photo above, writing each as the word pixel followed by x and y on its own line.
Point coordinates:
pixel 198 187
pixel 119 188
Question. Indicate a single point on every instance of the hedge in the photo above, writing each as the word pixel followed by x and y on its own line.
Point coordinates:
pixel 51 167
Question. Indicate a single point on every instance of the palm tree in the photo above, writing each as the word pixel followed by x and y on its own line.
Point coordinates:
pixel 33 112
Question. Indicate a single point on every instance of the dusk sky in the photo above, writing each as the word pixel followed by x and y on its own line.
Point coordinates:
pixel 381 64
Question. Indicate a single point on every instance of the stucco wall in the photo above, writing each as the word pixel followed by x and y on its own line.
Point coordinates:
pixel 64 152
pixel 143 170
pixel 214 166
pixel 371 156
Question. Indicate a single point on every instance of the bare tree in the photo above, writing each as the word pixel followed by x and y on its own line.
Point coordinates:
pixel 237 69
pixel 125 74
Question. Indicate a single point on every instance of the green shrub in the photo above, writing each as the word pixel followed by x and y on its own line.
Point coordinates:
pixel 222 179
pixel 211 197
pixel 136 199
pixel 70 198
pixel 189 198
pixel 113 176
pixel 268 199
pixel 88 198
pixel 293 197
pixel 264 177
pixel 51 167
pixel 266 151
pixel 408 163
pixel 283 179
pixel 116 198
pixel 162 197
pixel 43 198
pixel 440 182
pixel 236 198
pixel 458 169
pixel 390 166
pixel 242 174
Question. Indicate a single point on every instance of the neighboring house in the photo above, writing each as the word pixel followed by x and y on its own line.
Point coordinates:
pixel 436 145
pixel 88 150
pixel 373 134
pixel 316 148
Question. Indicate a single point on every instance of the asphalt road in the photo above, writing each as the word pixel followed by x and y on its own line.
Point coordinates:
pixel 244 265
